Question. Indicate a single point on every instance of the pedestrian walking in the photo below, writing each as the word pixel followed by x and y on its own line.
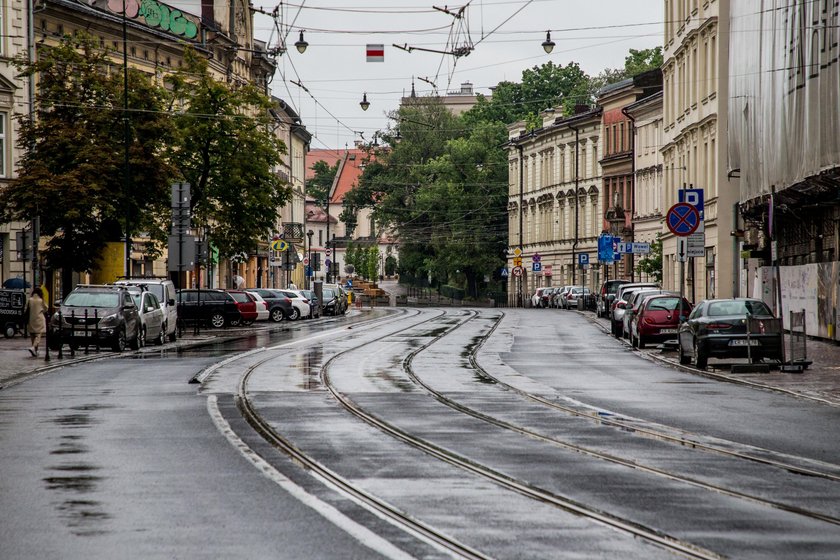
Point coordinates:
pixel 36 316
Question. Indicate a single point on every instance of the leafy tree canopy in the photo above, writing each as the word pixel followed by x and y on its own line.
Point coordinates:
pixel 71 173
pixel 318 187
pixel 226 151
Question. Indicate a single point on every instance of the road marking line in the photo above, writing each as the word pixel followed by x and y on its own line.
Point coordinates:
pixel 364 535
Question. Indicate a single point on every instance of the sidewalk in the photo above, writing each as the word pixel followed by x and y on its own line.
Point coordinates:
pixel 820 382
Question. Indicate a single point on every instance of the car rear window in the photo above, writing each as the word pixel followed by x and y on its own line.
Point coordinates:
pixel 240 297
pixel 735 307
pixel 664 304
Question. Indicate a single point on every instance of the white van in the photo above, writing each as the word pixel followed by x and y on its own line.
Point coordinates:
pixel 164 290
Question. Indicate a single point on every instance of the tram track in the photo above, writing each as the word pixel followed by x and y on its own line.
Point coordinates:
pixel 429 533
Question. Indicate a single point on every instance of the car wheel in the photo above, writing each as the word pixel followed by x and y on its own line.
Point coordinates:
pixel 247 323
pixel 139 339
pixel 615 329
pixel 700 358
pixel 684 359
pixel 119 341
pixel 276 315
pixel 295 314
pixel 217 320
pixel 174 336
pixel 161 337
pixel 9 331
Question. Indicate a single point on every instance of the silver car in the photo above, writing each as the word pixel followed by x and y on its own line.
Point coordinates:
pixel 152 321
pixel 620 302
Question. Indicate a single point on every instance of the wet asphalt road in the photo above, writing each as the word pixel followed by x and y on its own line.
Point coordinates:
pixel 123 458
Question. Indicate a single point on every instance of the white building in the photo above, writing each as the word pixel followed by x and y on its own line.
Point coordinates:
pixel 696 92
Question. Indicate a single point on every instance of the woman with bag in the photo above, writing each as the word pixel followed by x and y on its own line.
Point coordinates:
pixel 35 312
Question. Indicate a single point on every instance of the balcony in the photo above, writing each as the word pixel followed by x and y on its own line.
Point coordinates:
pixel 293 231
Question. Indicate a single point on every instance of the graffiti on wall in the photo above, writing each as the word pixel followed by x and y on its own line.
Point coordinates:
pixel 156 15
pixel 813 288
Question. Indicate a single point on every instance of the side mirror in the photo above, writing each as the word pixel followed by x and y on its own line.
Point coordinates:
pixel 171 301
pixel 621 305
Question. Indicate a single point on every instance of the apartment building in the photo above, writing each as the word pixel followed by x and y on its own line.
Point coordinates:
pixel 694 151
pixel 555 206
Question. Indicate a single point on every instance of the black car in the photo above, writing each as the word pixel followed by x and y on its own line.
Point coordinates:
pixel 97 315
pixel 214 307
pixel 279 306
pixel 717 328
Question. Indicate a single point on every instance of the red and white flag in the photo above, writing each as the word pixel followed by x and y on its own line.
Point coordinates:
pixel 376 53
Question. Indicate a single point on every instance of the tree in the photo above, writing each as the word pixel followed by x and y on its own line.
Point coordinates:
pixel 318 187
pixel 71 173
pixel 639 61
pixel 227 152
pixel 652 263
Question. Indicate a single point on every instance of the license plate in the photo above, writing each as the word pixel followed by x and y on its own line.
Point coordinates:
pixel 84 333
pixel 744 342
pixel 667 331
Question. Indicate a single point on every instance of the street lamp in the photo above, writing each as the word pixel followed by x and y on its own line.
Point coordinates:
pixel 311 274
pixel 364 103
pixel 548 44
pixel 301 45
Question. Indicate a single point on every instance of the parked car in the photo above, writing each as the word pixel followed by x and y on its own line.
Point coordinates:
pixel 619 303
pixel 247 305
pixel 559 295
pixel 717 328
pixel 164 291
pixel 573 295
pixel 152 321
pixel 214 307
pixel 279 305
pixel 341 303
pixel 536 297
pixel 658 319
pixel 300 305
pixel 606 295
pixel 262 306
pixel 633 304
pixel 545 297
pixel 332 301
pixel 312 300
pixel 97 314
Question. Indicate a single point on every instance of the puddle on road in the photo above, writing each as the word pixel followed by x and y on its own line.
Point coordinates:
pixel 309 366
pixel 83 515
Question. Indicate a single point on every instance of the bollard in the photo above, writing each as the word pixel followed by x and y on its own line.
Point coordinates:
pixel 87 338
pixel 60 334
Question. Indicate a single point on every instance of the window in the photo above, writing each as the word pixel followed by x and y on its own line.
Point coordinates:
pixel 3 166
pixel 607 136
pixel 320 238
pixel 621 136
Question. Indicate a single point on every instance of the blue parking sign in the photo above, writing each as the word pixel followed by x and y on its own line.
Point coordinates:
pixel 605 248
pixel 583 258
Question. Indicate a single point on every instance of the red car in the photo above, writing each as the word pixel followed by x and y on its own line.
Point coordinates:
pixel 657 319
pixel 247 305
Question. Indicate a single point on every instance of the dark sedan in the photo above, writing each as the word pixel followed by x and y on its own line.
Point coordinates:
pixel 717 328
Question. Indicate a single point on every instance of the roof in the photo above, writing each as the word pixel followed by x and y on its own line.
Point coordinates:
pixel 315 214
pixel 349 171
pixel 327 155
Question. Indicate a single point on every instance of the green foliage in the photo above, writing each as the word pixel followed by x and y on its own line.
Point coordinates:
pixel 227 151
pixel 390 265
pixel 652 263
pixel 639 61
pixel 371 262
pixel 318 187
pixel 71 173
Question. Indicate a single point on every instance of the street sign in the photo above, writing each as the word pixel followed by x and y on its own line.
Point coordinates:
pixel 306 260
pixel 536 258
pixel 517 271
pixel 583 258
pixel 641 248
pixel 547 270
pixel 327 253
pixel 536 267
pixel 682 219
pixel 504 273
pixel 605 248
pixel 327 262
pixel 682 248
pixel 517 252
pixel 279 245
pixel 622 248
pixel 517 261
pixel 695 245
pixel 695 198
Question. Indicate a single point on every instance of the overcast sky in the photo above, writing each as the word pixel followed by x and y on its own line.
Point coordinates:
pixel 596 34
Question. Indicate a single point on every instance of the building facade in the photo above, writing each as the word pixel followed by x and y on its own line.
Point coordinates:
pixel 618 163
pixel 784 139
pixel 555 205
pixel 647 172
pixel 14 100
pixel 695 121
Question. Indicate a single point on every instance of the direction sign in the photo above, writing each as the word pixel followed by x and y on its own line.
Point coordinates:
pixel 517 271
pixel 621 247
pixel 641 248
pixel 682 246
pixel 536 267
pixel 682 219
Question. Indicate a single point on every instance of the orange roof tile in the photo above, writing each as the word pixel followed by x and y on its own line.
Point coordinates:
pixel 329 156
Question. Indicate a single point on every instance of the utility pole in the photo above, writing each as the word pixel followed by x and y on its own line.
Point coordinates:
pixel 126 139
